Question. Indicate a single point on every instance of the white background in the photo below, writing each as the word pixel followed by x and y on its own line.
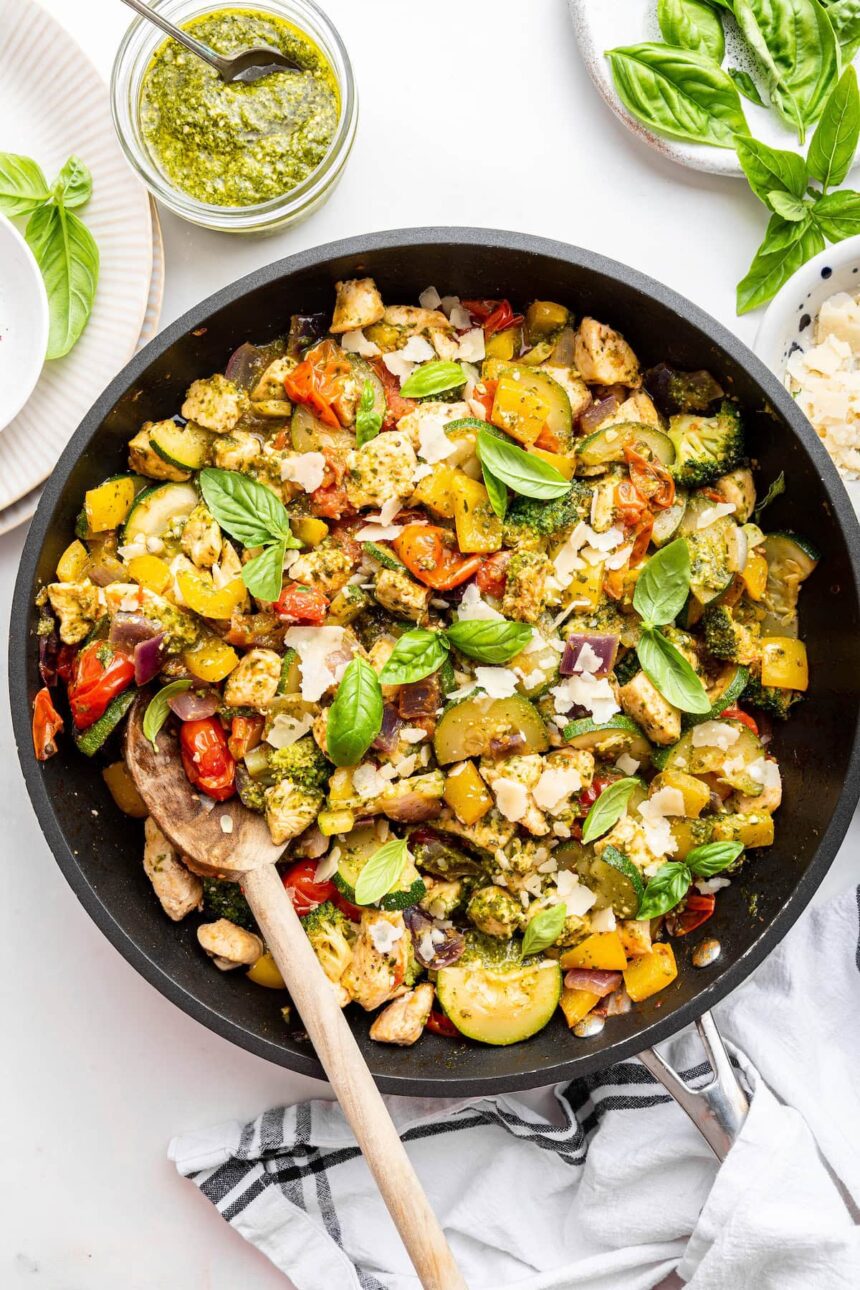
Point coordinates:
pixel 471 112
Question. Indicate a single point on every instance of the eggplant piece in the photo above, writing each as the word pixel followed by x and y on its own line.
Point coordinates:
pixel 673 391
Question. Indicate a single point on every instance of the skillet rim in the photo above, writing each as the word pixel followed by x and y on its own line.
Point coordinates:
pixel 20 645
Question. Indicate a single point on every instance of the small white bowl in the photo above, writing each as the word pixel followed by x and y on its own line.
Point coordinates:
pixel 23 322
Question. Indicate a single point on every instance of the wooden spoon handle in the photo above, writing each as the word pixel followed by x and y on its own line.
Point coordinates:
pixel 352 1082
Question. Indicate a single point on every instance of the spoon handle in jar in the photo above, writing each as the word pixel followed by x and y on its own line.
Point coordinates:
pixel 152 15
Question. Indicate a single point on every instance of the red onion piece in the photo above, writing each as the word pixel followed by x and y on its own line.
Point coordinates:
pixel 605 647
pixel 507 745
pixel 597 413
pixel 194 705
pixel 412 808
pixel 128 630
pixel 447 949
pixel 243 366
pixel 149 656
pixel 592 980
pixel 389 734
pixel 49 652
pixel 104 570
pixel 618 1003
pixel 420 698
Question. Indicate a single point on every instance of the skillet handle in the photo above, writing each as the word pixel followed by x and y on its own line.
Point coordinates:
pixel 719 1109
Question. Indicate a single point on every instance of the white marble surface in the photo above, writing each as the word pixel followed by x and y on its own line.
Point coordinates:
pixel 470 114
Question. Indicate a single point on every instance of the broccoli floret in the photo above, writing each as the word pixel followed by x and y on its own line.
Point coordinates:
pixel 627 667
pixel 495 912
pixel 706 447
pixel 729 639
pixel 302 763
pixel 330 933
pixel 768 698
pixel 223 899
pixel 532 525
pixel 674 391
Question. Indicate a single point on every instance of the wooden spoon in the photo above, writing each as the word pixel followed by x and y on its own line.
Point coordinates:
pixel 247 852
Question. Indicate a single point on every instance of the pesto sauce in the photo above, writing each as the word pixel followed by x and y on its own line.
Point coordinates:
pixel 238 145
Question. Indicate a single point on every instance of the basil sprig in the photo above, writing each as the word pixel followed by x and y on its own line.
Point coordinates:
pixel 254 516
pixel 544 929
pixel 671 882
pixel 678 92
pixel 381 872
pixel 746 86
pixel 355 717
pixel 608 809
pixel 660 594
pixel 368 422
pixel 796 47
pixel 775 490
pixel 159 707
pixel 496 491
pixel 526 474
pixel 419 652
pixel 433 378
pixel 692 24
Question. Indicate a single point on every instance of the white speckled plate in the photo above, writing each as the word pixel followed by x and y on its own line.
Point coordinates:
pixel 604 24
pixel 53 103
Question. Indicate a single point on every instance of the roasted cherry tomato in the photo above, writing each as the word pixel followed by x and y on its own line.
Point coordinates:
pixel 738 714
pixel 697 910
pixel 101 673
pixel 423 550
pixel 208 761
pixel 346 907
pixel 320 382
pixel 396 405
pixel 641 539
pixel 245 734
pixel 548 441
pixel 331 503
pixel 439 1024
pixel 651 479
pixel 630 503
pixel 492 576
pixel 302 888
pixel 47 723
pixel 598 785
pixel 493 315
pixel 485 394
pixel 303 605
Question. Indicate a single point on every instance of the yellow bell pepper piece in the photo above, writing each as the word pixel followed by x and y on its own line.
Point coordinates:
pixel 585 590
pixel 479 528
pixel 210 660
pixel 695 792
pixel 576 1004
pixel 308 529
pixel 107 506
pixel 340 788
pixel 519 412
pixel 755 830
pixel 503 344
pixel 650 973
pixel 601 950
pixel 755 575
pixel 784 663
pixel 201 595
pixel 331 822
pixel 71 564
pixel 266 972
pixel 124 791
pixel 150 571
pixel 436 491
pixel 466 793
pixel 564 465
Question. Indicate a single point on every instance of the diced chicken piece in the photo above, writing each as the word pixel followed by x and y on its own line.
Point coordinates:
pixel 358 304
pixel 178 889
pixel 326 567
pixel 375 975
pixel 77 605
pixel 566 759
pixel 144 460
pixel 253 683
pixel 738 488
pixel 491 833
pixel 229 946
pixel 574 387
pixel 642 701
pixel 270 387
pixel 236 451
pixel 229 563
pixel 411 320
pixel 603 355
pixel 401 595
pixel 433 413
pixel 380 470
pixel 635 934
pixel 414 799
pixel 628 836
pixel 603 508
pixel 524 772
pixel 290 810
pixel 637 408
pixel 403 1021
pixel 215 403
pixel 525 588
pixel 770 797
pixel 201 537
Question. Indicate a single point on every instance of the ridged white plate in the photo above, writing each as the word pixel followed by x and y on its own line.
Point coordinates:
pixel 53 103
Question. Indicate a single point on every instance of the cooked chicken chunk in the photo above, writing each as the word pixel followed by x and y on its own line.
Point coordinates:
pixel 603 355
pixel 525 588
pixel 201 537
pixel 400 595
pixel 236 451
pixel 290 810
pixel 144 460
pixel 254 682
pixel 380 470
pixel 738 487
pixel 215 403
pixel 635 934
pixel 270 386
pixel 491 832
pixel 179 890
pixel 512 782
pixel 770 797
pixel 358 304
pixel 229 946
pixel 642 701
pixel 380 958
pixel 77 606
pixel 403 1021
pixel 414 799
pixel 638 407
pixel 576 390
pixel 326 567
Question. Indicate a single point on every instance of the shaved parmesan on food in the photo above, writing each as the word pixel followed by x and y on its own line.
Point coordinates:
pixel 577 898
pixel 603 920
pixel 765 772
pixel 449 303
pixel 511 798
pixel 714 734
pixel 588 660
pixel 472 607
pixel 368 782
pixel 413 734
pixel 327 866
pixel 307 469
pixel 379 533
pixel 628 764
pixel 589 692
pixel 402 362
pixel 429 298
pixel 287 730
pixel 314 646
pixel 826 381
pixel 471 347
pixel 434 444
pixel 658 834
pixel 385 935
pixel 666 801
pixel 387 512
pixel 459 318
pixel 497 682
pixel 355 342
pixel 554 788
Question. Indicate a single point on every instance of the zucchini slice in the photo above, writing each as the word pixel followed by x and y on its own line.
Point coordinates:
pixel 310 435
pixel 717 552
pixel 89 741
pixel 608 443
pixel 790 561
pixel 730 764
pixel 541 384
pixel 725 692
pixel 614 879
pixel 157 508
pixel 501 1005
pixel 358 847
pixel 610 739
pixel 468 728
pixel 362 371
pixel 667 522
pixel 184 446
pixel 382 555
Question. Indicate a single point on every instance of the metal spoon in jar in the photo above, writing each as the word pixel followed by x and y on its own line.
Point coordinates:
pixel 247 66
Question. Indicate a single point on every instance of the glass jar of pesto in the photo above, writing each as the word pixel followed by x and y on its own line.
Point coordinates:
pixel 238 158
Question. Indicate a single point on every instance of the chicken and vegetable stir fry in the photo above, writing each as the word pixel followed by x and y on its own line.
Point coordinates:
pixel 479 615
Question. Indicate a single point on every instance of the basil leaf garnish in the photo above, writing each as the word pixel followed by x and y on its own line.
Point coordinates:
pixel 785 248
pixel 692 24
pixel 264 575
pixel 489 640
pixel 433 378
pixel 669 885
pixel 159 707
pixel 544 929
pixel 608 809
pixel 678 92
pixel 664 584
pixel 355 717
pixel 834 143
pixel 767 168
pixel 496 491
pixel 838 215
pixel 23 187
pixel 796 46
pixel 74 183
pixel 712 858
pixel 668 670
pixel 417 653
pixel 382 872
pixel 776 489
pixel 368 422
pixel 844 18
pixel 790 208
pixel 526 474
pixel 247 510
pixel 746 86
pixel 66 252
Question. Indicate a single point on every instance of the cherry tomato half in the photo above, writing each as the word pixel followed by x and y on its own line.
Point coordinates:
pixel 101 672
pixel 47 723
pixel 738 714
pixel 245 734
pixel 302 888
pixel 697 910
pixel 321 381
pixel 208 761
pixel 301 605
pixel 439 1024
pixel 492 576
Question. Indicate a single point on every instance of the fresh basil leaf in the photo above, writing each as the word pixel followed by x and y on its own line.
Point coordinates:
pixel 790 208
pixel 355 717
pixel 678 92
pixel 264 575
pixel 417 653
pixel 692 24
pixel 664 584
pixel 433 378
pixel 496 491
pixel 23 187
pixel 522 471
pixel 785 248
pixel 489 640
pixel 668 670
pixel 776 489
pixel 834 143
pixel 746 86
pixel 795 44
pixel 368 422
pixel 68 257
pixel 74 184
pixel 544 929
pixel 608 809
pixel 838 215
pixel 669 885
pixel 844 18
pixel 712 858
pixel 382 872
pixel 247 510
pixel 158 708
pixel 768 169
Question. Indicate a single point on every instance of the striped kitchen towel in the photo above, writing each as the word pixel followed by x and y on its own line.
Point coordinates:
pixel 608 1186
